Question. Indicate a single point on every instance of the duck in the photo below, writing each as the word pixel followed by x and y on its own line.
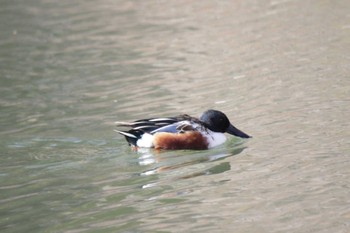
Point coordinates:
pixel 182 132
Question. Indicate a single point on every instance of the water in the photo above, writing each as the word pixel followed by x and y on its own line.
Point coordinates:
pixel 278 69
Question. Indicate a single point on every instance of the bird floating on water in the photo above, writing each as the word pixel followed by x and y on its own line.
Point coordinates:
pixel 180 132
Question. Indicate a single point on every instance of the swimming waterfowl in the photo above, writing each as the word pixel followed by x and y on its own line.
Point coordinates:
pixel 180 132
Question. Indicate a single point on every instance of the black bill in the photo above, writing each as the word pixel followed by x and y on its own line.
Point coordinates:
pixel 236 132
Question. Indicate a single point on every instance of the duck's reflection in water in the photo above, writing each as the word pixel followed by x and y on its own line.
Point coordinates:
pixel 186 164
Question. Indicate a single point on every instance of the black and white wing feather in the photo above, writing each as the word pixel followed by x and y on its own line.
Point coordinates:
pixel 140 127
pixel 178 124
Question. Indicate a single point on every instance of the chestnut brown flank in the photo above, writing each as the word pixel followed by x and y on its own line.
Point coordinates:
pixel 189 140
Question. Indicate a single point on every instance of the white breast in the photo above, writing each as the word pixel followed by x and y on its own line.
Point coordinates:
pixel 214 139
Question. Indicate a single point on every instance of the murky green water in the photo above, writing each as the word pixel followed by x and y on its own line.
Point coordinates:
pixel 279 69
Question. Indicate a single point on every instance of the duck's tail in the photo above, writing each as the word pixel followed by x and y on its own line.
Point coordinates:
pixel 131 136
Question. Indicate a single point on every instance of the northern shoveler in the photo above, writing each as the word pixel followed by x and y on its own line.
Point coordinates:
pixel 180 132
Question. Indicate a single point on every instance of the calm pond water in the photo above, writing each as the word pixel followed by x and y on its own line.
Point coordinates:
pixel 279 69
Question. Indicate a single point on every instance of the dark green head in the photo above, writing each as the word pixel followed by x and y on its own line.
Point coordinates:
pixel 217 121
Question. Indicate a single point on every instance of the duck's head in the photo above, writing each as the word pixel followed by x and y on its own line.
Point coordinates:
pixel 217 121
